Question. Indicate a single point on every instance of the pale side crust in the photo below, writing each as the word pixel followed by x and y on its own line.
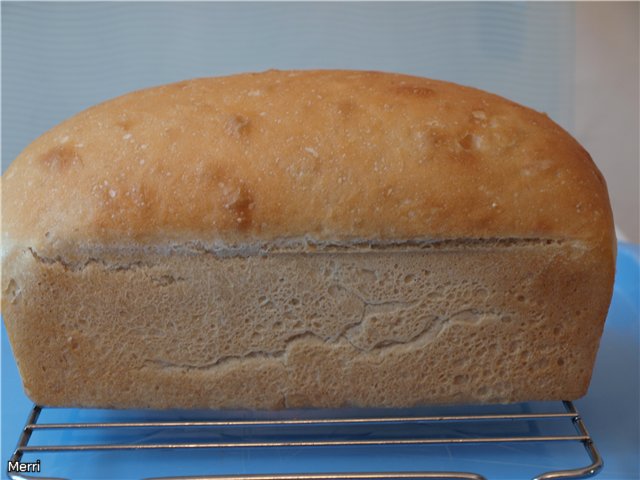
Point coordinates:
pixel 482 323
pixel 335 155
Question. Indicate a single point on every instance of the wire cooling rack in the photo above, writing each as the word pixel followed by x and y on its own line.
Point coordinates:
pixel 482 434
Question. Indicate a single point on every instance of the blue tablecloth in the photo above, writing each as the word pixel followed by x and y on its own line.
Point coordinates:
pixel 610 410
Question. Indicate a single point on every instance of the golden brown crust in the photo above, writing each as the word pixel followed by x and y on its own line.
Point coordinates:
pixel 330 155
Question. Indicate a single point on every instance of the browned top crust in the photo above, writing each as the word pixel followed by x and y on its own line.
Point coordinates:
pixel 326 155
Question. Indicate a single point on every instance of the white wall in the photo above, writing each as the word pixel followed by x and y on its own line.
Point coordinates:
pixel 607 101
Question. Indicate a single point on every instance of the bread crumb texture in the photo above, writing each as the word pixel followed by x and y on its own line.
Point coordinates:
pixel 332 155
pixel 450 324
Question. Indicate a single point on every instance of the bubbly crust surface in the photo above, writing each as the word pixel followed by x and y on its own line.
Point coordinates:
pixel 326 155
pixel 454 323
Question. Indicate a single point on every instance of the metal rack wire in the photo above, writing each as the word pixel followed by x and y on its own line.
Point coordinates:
pixel 570 414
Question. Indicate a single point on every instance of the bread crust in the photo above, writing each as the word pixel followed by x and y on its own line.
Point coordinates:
pixel 327 155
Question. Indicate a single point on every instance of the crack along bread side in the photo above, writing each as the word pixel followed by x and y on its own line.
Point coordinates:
pixel 390 327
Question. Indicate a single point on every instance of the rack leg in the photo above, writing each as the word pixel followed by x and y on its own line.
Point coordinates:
pixel 596 459
pixel 23 441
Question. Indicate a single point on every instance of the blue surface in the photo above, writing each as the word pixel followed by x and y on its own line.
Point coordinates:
pixel 610 410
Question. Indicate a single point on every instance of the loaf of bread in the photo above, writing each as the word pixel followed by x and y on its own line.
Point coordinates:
pixel 305 239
